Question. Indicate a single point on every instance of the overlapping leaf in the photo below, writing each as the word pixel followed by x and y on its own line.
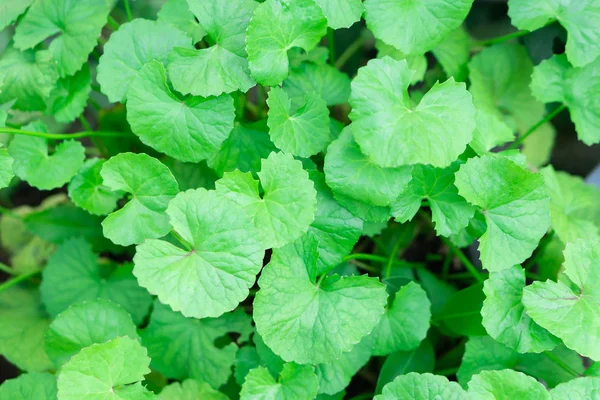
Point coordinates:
pixel 35 385
pixel 294 382
pixel 87 190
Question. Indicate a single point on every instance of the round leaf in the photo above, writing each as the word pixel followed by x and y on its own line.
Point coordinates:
pixel 87 190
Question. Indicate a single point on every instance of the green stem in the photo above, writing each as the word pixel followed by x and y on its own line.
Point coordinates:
pixel 112 23
pixel 181 240
pixel 94 104
pixel 447 371
pixel 17 279
pixel 561 364
pixel 96 140
pixel 61 136
pixel 547 118
pixel 6 269
pixel 349 52
pixel 364 266
pixel 392 258
pixel 128 10
pixel 331 46
pixel 504 38
pixel 363 256
pixel 86 125
pixel 446 265
pixel 465 261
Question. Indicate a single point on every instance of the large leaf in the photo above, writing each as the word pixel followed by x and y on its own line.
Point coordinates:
pixel 218 263
pixel 393 131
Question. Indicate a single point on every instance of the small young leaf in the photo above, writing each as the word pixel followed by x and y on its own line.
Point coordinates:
pixel 40 169
pixel 88 191
pixel 392 131
pixel 222 67
pixel 189 130
pixel 101 371
pixel 276 27
pixel 504 315
pixel 220 265
pixel 490 131
pixel 334 376
pixel 579 18
pixel 421 360
pixel 69 98
pixel 555 80
pixel 564 310
pixel 132 46
pixel 506 385
pixel 77 23
pixel 38 386
pixel 330 84
pixel 73 274
pixel 286 208
pixel 449 211
pixel 174 343
pixel 151 185
pixel 422 387
pixel 515 204
pixel 306 322
pixel 416 63
pixel 177 14
pixel 302 131
pixel 83 324
pixel 295 382
pixel 415 27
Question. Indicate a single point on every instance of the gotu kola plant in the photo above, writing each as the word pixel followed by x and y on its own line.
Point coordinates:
pixel 210 201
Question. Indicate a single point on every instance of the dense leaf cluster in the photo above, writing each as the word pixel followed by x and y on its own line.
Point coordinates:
pixel 248 218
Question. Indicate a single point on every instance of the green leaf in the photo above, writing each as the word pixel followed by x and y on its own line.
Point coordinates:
pixel 38 386
pixel 421 360
pixel 405 322
pixel 500 76
pixel 29 77
pixel 74 26
pixel 351 173
pixel 220 265
pixel 462 312
pixel 276 27
pixel 246 359
pixel 449 211
pixel 268 359
pixel 288 202
pixel 415 27
pixel 416 63
pixel 580 388
pixel 309 322
pixel 40 169
pixel 393 131
pixel 483 353
pixel 325 80
pixel 506 385
pixel 341 13
pixel 244 149
pixel 6 168
pixel 490 131
pixel 335 229
pixel 555 80
pixel 504 315
pixel 128 49
pixel 86 323
pixel 192 175
pixel 538 146
pixel 563 310
pixel 302 131
pixel 87 190
pixel 335 375
pixel 189 130
pixel 578 18
pixel 174 343
pixel 422 387
pixel 191 389
pixel 222 67
pixel 574 206
pixel 365 211
pixel 69 98
pixel 111 370
pixel 177 14
pixel 73 274
pixel 515 204
pixel 294 382
pixel 24 323
pixel 151 186
pixel 10 10
pixel 453 54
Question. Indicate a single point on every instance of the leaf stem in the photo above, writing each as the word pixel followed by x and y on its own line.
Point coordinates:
pixel 331 46
pixel 561 364
pixel 6 269
pixel 349 52
pixel 547 118
pixel 61 136
pixel 392 258
pixel 446 265
pixel 112 23
pixel 17 279
pixel 465 261
pixel 182 241
pixel 504 38
pixel 128 10
pixel 363 256
pixel 447 371
pixel 366 267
